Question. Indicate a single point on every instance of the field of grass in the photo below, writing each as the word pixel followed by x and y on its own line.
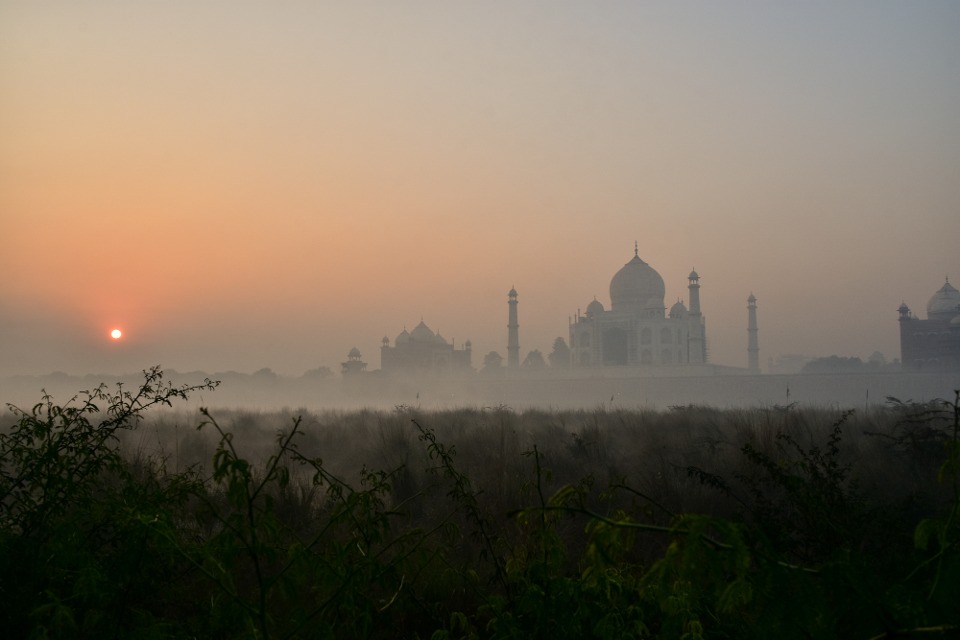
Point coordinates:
pixel 122 516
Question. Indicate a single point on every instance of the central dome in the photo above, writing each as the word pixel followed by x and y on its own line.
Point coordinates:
pixel 637 287
pixel 945 303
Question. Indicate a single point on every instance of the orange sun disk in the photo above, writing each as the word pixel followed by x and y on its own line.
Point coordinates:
pixel 116 333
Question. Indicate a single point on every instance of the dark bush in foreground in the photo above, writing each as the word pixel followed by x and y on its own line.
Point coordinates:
pixel 690 523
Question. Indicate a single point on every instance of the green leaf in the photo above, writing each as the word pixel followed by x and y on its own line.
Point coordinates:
pixel 928 528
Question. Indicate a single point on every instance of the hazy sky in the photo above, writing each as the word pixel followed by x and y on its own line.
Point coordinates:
pixel 241 185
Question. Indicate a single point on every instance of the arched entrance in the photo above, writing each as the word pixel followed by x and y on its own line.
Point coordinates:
pixel 614 347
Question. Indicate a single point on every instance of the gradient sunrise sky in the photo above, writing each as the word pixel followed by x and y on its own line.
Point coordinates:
pixel 239 185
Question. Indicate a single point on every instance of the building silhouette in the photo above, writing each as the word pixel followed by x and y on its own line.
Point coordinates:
pixel 932 344
pixel 636 330
pixel 422 351
pixel 513 331
pixel 354 363
pixel 753 343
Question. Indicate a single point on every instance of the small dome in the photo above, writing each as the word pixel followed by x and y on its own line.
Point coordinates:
pixel 403 338
pixel 636 287
pixel 440 339
pixel 594 307
pixel 752 298
pixel 945 303
pixel 678 310
pixel 512 293
pixel 694 275
pixel 468 344
pixel 354 354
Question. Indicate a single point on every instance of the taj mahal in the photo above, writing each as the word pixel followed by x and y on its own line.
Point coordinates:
pixel 638 346
pixel 638 334
pixel 636 330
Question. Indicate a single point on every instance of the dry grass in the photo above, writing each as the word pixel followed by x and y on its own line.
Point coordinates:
pixel 650 451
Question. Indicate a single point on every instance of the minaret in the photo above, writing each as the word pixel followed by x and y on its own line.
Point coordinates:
pixel 753 346
pixel 696 350
pixel 907 340
pixel 694 288
pixel 513 332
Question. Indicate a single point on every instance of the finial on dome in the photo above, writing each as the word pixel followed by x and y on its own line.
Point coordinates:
pixel 636 250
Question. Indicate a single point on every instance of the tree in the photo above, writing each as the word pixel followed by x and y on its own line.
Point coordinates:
pixel 560 356
pixel 876 360
pixel 534 360
pixel 319 372
pixel 266 373
pixel 492 363
pixel 834 364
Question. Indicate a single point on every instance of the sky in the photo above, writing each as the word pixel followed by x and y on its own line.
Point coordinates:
pixel 239 185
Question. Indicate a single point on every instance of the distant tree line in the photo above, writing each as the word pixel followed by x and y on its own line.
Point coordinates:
pixel 558 358
pixel 841 364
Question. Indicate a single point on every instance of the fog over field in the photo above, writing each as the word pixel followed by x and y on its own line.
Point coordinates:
pixel 269 392
pixel 237 186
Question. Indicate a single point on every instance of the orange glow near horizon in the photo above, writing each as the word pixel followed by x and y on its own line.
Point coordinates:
pixel 249 188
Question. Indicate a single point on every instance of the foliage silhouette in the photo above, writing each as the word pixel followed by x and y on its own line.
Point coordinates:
pixel 487 523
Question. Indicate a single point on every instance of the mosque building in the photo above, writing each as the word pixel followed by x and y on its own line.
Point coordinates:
pixel 932 344
pixel 636 330
pixel 422 351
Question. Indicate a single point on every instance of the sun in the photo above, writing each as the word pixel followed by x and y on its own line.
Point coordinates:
pixel 116 334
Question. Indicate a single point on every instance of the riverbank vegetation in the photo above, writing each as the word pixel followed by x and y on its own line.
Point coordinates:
pixel 123 517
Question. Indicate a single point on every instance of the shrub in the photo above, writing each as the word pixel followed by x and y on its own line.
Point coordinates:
pixel 693 523
pixel 74 559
